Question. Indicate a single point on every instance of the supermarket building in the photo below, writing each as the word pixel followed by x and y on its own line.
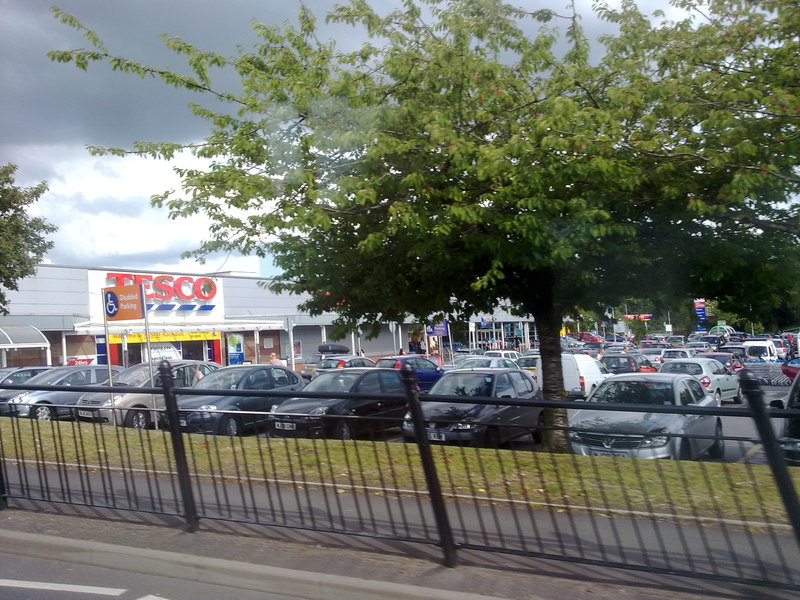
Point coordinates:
pixel 57 317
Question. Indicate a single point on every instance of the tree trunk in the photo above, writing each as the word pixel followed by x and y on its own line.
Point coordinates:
pixel 549 321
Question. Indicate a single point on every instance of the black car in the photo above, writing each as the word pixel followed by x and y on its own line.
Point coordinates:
pixel 205 413
pixel 480 424
pixel 789 433
pixel 317 417
pixel 633 362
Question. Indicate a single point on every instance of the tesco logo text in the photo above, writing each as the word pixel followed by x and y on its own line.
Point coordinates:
pixel 167 287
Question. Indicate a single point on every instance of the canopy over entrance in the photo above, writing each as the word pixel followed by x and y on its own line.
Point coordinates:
pixel 13 337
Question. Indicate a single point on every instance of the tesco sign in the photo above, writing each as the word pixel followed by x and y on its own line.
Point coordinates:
pixel 168 287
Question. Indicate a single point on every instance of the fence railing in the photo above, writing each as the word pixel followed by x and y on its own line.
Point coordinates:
pixel 731 516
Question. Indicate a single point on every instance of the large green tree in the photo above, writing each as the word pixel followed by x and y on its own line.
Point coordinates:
pixel 456 161
pixel 23 241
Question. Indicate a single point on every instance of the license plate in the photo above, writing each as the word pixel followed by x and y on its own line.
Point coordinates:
pixel 605 453
pixel 287 426
pixel 85 413
pixel 437 437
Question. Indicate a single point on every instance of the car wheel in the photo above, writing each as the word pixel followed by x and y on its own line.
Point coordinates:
pixel 738 398
pixel 42 412
pixel 137 419
pixel 343 430
pixel 717 449
pixel 718 398
pixel 230 425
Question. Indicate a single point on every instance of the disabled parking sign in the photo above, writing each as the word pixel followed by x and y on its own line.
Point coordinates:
pixel 123 303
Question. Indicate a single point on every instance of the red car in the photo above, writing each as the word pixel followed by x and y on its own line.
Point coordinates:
pixel 791 368
pixel 588 336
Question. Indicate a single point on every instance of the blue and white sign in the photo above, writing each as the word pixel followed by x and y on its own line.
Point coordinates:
pixel 438 330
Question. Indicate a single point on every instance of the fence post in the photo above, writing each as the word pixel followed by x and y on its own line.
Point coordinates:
pixel 431 477
pixel 777 462
pixel 179 451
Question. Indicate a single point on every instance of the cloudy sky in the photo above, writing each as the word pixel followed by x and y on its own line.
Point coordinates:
pixel 50 112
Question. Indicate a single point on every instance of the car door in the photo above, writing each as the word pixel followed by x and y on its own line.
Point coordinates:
pixel 64 395
pixel 427 373
pixel 392 384
pixel 524 417
pixel 504 417
pixel 728 382
pixel 701 429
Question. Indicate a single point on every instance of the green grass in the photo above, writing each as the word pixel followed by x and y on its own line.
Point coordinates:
pixel 666 489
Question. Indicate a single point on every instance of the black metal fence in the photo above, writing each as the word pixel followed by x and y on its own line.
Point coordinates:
pixel 732 517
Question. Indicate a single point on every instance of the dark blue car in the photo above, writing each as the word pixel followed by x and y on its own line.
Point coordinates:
pixel 426 371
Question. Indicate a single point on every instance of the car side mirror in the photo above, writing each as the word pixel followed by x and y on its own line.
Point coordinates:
pixel 776 404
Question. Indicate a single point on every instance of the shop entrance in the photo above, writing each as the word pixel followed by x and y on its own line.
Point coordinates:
pixel 194 350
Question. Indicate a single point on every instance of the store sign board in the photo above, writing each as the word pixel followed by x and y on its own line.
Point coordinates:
pixel 168 298
pixel 170 336
pixel 123 303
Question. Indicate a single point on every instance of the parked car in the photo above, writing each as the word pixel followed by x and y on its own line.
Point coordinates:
pixel 317 417
pixel 588 336
pixel 618 348
pixel 426 372
pixel 47 405
pixel 634 362
pixel 728 359
pixel 98 406
pixel 487 362
pixel 20 375
pixel 675 341
pixel 701 346
pixel 323 352
pixel 762 349
pixel 341 361
pixel 676 353
pixel 782 347
pixel 789 429
pixel 469 351
pixel 715 341
pixel 480 424
pixel 510 354
pixel 646 434
pixel 652 354
pixel 717 379
pixel 791 368
pixel 205 413
pixel 581 373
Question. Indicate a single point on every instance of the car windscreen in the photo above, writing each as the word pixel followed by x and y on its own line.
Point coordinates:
pixel 329 363
pixel 463 384
pixel 221 379
pixel 48 377
pixel 527 362
pixel 386 362
pixel 339 381
pixel 476 363
pixel 634 392
pixel 687 368
pixel 136 376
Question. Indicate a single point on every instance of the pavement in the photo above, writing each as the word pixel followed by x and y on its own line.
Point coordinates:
pixel 318 566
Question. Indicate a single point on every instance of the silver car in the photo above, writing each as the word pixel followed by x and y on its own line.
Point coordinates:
pixel 642 434
pixel 46 405
pixel 104 406
pixel 718 380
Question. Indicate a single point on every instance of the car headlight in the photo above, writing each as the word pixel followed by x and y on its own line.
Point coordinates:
pixel 574 436
pixel 113 400
pixel 208 407
pixel 655 439
pixel 320 410
pixel 407 421
pixel 273 408
pixel 464 426
pixel 19 398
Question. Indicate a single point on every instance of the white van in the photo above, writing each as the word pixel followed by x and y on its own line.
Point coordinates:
pixel 581 373
pixel 760 350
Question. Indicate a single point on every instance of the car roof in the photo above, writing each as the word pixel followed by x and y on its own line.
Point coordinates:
pixel 484 371
pixel 356 371
pixel 694 359
pixel 648 377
